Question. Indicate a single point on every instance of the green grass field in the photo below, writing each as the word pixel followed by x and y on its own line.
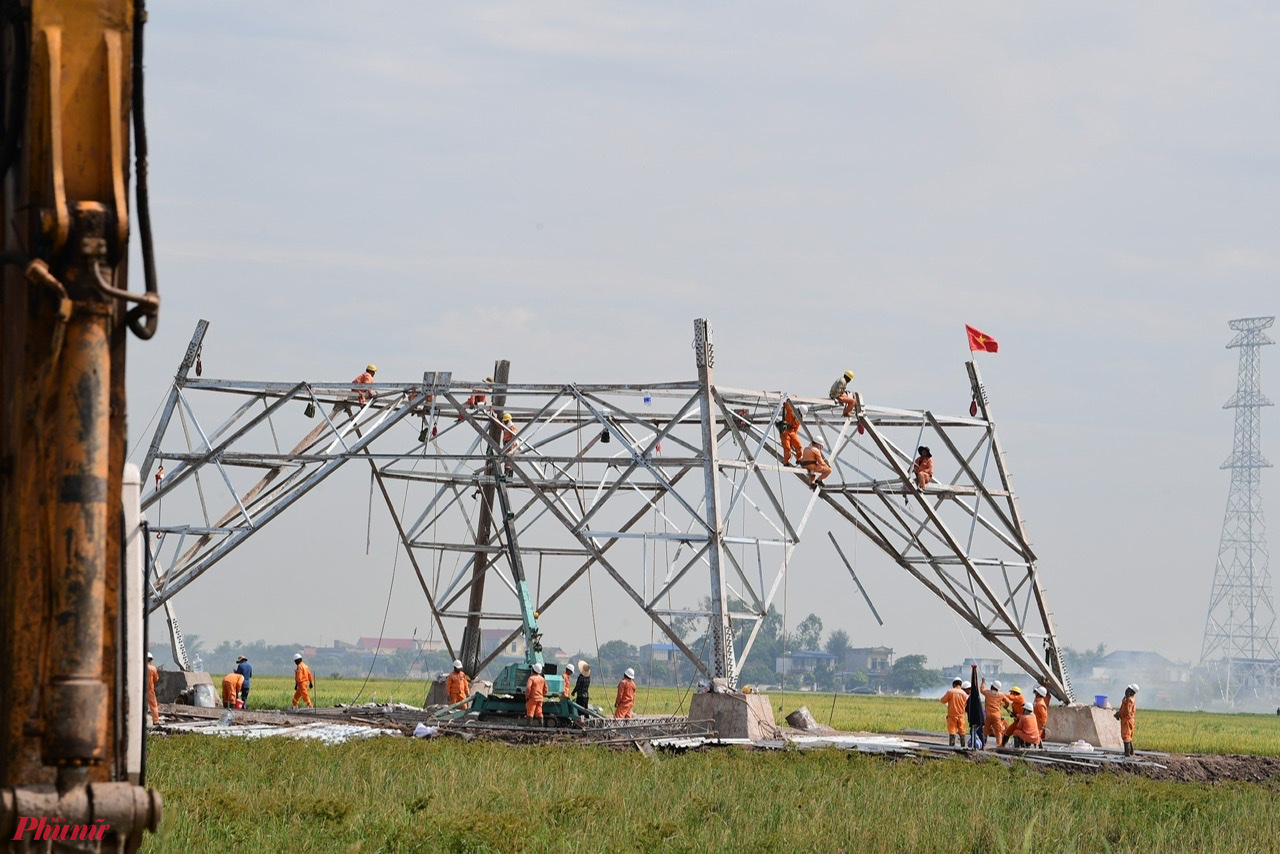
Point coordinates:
pixel 401 795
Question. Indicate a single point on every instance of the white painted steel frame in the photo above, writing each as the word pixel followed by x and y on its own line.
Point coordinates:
pixel 599 480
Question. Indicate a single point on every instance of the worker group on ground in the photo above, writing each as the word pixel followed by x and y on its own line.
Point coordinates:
pixel 1027 726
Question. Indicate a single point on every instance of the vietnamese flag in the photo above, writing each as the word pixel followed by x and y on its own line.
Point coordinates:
pixel 981 341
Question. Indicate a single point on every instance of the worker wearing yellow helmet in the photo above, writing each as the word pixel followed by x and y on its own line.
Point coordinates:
pixel 840 393
pixel 364 379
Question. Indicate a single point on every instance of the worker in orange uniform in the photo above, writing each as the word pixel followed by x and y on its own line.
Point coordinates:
pixel 232 685
pixel 1126 714
pixel 457 686
pixel 1025 732
pixel 626 699
pixel 509 441
pixel 993 701
pixel 364 379
pixel 840 393
pixel 789 433
pixel 478 397
pixel 922 468
pixel 303 682
pixel 1013 702
pixel 1042 711
pixel 153 676
pixel 812 460
pixel 535 691
pixel 955 700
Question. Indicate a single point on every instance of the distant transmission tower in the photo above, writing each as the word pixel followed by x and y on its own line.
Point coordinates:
pixel 1240 631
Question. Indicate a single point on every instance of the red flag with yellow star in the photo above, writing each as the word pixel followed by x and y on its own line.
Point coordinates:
pixel 981 341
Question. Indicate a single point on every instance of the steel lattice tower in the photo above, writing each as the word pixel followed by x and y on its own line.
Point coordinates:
pixel 1240 630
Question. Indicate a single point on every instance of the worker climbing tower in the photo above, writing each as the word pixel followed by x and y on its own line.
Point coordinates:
pixel 1240 647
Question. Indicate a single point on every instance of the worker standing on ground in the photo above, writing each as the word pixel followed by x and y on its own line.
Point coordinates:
pixel 922 468
pixel 1042 710
pixel 1025 732
pixel 993 699
pixel 582 688
pixel 535 691
pixel 789 431
pixel 457 686
pixel 955 701
pixel 1127 714
pixel 815 464
pixel 232 684
pixel 1013 702
pixel 568 677
pixel 245 669
pixel 153 676
pixel 626 699
pixel 303 682
pixel 364 379
pixel 840 393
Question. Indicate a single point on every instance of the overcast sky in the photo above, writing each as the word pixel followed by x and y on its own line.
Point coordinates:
pixel 433 186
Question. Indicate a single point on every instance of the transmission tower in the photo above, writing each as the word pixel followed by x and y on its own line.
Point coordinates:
pixel 1240 631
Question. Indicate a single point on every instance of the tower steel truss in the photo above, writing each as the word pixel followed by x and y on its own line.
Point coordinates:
pixel 658 488
pixel 1240 630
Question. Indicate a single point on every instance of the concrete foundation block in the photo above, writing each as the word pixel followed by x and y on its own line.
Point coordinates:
pixel 736 715
pixel 1098 727
pixel 438 696
pixel 179 686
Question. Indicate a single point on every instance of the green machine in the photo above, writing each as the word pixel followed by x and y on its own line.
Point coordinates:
pixel 508 698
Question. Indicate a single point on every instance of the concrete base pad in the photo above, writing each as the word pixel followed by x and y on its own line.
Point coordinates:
pixel 438 696
pixel 1098 727
pixel 173 683
pixel 736 715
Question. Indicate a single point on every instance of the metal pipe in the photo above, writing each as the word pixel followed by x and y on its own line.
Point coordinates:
pixel 75 702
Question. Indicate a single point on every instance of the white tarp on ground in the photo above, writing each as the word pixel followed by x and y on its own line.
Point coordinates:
pixel 329 733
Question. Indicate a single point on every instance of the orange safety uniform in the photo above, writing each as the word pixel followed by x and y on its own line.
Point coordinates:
pixel 478 396
pixel 993 701
pixel 535 691
pixel 1127 715
pixel 1042 713
pixel 956 700
pixel 153 676
pixel 1026 729
pixel 231 685
pixel 811 458
pixel 303 682
pixel 923 470
pixel 840 394
pixel 364 379
pixel 789 427
pixel 457 687
pixel 626 699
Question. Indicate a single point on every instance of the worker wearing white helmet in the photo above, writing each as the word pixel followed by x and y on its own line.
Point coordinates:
pixel 1042 710
pixel 1025 732
pixel 814 463
pixel 1127 715
pixel 568 677
pixel 303 682
pixel 955 700
pixel 457 686
pixel 365 379
pixel 535 691
pixel 625 702
pixel 840 393
pixel 993 700
pixel 153 676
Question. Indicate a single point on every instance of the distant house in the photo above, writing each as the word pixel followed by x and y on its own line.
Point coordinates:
pixel 385 646
pixel 1126 665
pixel 490 639
pixel 803 661
pixel 660 652
pixel 874 660
pixel 988 669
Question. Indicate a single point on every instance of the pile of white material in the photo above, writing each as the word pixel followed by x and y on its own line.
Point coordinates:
pixel 328 733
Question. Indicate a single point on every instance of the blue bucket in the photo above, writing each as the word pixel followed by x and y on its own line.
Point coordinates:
pixel 1100 700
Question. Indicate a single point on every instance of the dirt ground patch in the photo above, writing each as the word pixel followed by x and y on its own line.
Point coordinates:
pixel 1205 768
